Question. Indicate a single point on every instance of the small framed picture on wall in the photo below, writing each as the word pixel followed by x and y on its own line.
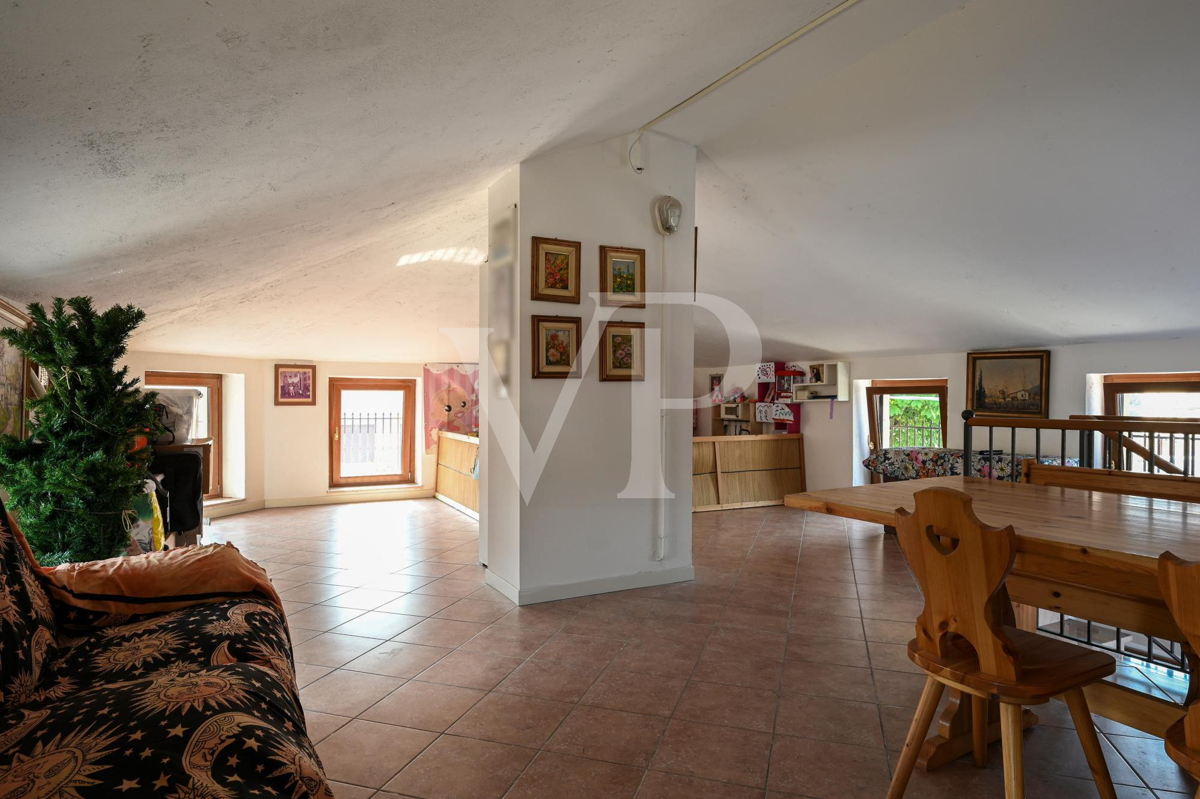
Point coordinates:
pixel 623 351
pixel 295 384
pixel 623 277
pixel 556 346
pixel 555 270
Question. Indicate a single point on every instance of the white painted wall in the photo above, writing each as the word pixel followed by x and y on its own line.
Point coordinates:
pixel 834 448
pixel 576 536
pixel 499 492
pixel 282 452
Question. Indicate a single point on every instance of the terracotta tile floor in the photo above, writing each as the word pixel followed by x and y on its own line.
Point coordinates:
pixel 778 673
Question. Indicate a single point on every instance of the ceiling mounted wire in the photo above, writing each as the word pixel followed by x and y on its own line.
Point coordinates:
pixel 765 54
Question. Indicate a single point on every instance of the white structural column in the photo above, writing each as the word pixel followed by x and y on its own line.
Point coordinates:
pixel 560 514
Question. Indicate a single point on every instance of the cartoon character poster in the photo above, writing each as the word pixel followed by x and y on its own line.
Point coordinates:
pixel 451 400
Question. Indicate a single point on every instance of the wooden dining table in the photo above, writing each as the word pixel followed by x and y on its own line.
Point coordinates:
pixel 1084 553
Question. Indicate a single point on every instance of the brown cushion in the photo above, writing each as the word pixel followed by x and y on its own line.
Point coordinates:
pixel 109 591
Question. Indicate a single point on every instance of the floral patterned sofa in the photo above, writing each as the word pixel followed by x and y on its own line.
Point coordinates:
pixel 913 463
pixel 196 703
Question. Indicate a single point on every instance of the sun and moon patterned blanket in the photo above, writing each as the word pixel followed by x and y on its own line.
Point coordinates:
pixel 912 463
pixel 199 702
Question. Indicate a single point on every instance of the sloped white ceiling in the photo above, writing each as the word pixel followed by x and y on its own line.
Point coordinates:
pixel 250 173
pixel 924 175
pixel 958 176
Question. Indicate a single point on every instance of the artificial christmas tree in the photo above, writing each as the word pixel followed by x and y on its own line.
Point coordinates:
pixel 73 480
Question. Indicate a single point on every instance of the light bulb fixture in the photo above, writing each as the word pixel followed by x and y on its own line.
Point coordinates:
pixel 667 213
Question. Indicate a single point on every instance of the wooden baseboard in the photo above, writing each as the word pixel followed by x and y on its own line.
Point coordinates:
pixel 738 505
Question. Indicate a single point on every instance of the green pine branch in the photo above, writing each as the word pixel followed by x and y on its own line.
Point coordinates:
pixel 74 477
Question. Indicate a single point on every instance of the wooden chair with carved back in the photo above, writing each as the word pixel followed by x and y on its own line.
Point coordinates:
pixel 966 639
pixel 1179 581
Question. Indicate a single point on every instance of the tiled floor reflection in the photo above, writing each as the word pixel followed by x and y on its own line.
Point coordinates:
pixel 779 672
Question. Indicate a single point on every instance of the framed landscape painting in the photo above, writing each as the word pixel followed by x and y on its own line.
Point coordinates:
pixel 623 277
pixel 555 270
pixel 295 384
pixel 1013 383
pixel 556 346
pixel 623 351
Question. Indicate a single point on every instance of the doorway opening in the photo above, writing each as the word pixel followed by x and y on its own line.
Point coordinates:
pixel 371 431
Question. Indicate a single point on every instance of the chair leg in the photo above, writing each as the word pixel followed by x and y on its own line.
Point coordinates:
pixel 930 696
pixel 979 729
pixel 1011 730
pixel 1077 703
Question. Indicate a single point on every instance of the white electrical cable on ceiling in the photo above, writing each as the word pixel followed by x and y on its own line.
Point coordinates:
pixel 639 169
pixel 738 70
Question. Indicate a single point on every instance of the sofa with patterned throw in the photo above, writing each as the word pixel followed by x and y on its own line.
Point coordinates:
pixel 166 675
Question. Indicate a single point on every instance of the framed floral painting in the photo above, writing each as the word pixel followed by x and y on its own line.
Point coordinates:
pixel 295 384
pixel 556 346
pixel 623 351
pixel 623 277
pixel 555 270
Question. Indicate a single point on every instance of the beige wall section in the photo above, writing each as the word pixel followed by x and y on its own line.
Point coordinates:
pixel 297 438
pixel 244 455
pixel 284 460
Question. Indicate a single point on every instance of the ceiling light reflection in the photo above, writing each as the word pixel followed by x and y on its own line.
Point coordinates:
pixel 457 255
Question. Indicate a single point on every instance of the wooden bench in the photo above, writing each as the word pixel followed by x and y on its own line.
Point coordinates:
pixel 1111 481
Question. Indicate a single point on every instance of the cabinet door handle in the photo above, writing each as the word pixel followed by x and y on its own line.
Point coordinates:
pixel 337 434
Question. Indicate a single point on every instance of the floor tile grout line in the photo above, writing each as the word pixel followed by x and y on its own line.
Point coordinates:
pixel 786 646
pixel 860 555
pixel 678 699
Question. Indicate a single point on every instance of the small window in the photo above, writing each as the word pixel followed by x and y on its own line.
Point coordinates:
pixel 1163 397
pixel 906 413
pixel 372 430
pixel 1168 396
pixel 194 400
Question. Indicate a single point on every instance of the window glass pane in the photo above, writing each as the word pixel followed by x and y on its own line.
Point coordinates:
pixel 1169 448
pixel 912 420
pixel 1161 403
pixel 372 432
pixel 190 399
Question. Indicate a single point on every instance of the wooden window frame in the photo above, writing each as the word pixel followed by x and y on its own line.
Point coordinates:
pixel 1173 382
pixel 880 388
pixel 407 474
pixel 215 384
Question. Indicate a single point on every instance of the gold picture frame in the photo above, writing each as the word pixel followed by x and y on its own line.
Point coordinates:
pixel 623 277
pixel 623 352
pixel 1009 383
pixel 556 346
pixel 555 270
